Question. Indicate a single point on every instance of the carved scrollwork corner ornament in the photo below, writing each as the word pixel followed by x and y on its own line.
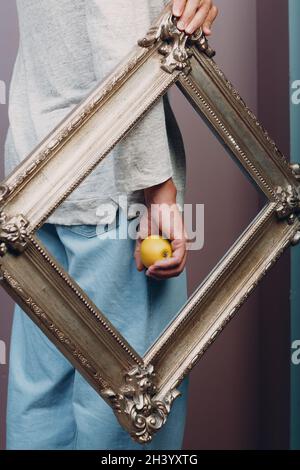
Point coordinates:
pixel 136 399
pixel 13 233
pixel 295 167
pixel 176 45
pixel 289 205
pixel 296 239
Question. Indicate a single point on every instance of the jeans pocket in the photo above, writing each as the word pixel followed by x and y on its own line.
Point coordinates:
pixel 91 231
pixel 87 231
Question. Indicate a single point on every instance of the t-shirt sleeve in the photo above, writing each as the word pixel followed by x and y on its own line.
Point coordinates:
pixel 142 159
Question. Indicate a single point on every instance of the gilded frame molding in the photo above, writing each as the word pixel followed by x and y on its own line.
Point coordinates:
pixel 141 390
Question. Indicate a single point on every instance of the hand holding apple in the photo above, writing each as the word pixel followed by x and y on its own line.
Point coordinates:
pixel 162 218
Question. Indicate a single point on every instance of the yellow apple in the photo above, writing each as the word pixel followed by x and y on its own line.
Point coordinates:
pixel 154 248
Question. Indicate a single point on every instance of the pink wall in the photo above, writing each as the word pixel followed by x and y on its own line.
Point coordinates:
pixel 275 344
pixel 224 403
pixel 8 46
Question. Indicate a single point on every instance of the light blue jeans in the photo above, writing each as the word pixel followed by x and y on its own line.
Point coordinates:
pixel 50 405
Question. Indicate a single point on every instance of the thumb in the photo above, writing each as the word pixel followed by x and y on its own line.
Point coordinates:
pixel 137 255
pixel 143 232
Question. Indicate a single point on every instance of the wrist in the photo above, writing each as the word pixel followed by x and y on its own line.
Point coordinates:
pixel 163 193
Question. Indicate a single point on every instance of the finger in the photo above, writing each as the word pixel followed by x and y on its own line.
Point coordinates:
pixel 144 228
pixel 212 15
pixel 165 274
pixel 189 12
pixel 171 222
pixel 137 256
pixel 179 256
pixel 178 7
pixel 199 18
pixel 170 263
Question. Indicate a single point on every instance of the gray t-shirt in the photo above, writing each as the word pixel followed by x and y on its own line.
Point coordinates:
pixel 66 48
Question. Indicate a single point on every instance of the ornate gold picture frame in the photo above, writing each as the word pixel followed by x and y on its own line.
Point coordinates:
pixel 141 390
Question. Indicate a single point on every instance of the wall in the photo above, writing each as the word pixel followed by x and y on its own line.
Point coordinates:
pixel 8 48
pixel 226 393
pixel 275 344
pixel 224 400
pixel 294 15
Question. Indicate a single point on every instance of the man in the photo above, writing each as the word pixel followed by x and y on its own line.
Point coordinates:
pixel 66 48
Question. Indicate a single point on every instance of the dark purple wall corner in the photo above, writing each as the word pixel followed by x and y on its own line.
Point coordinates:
pixel 273 112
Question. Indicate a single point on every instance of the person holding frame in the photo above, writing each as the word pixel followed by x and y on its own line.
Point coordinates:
pixel 66 48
